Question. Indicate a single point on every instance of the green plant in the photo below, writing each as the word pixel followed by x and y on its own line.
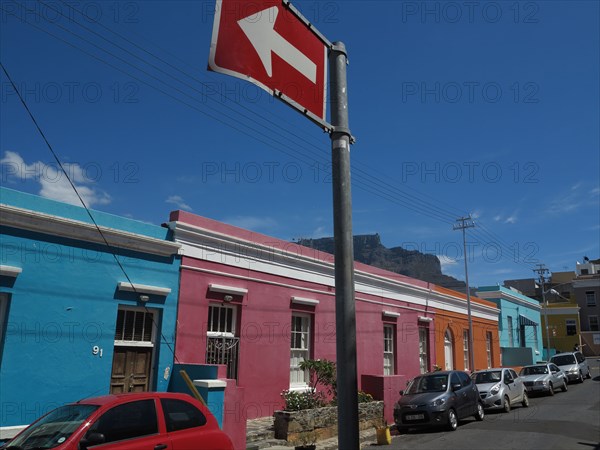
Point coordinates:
pixel 321 372
pixel 299 400
pixel 363 397
pixel 306 438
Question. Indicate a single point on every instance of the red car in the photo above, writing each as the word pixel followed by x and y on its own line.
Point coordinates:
pixel 140 421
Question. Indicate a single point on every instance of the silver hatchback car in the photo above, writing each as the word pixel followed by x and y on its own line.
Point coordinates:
pixel 500 388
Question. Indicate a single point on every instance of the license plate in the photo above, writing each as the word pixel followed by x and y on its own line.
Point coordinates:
pixel 415 417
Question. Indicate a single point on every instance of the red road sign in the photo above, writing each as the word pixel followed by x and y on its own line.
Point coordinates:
pixel 268 43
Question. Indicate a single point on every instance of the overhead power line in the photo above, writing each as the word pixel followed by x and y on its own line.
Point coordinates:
pixel 363 179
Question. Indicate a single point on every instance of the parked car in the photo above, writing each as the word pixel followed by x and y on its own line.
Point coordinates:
pixel 136 421
pixel 500 388
pixel 438 398
pixel 543 378
pixel 573 364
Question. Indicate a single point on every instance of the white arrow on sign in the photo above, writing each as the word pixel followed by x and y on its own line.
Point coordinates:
pixel 263 37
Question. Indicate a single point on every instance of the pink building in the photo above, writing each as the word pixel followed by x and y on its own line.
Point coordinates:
pixel 260 305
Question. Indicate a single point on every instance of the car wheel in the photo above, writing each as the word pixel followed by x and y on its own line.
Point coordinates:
pixel 589 375
pixel 506 404
pixel 452 420
pixel 564 386
pixel 551 390
pixel 580 377
pixel 525 401
pixel 480 414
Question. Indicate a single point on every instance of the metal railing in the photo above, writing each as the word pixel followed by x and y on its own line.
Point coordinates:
pixel 223 350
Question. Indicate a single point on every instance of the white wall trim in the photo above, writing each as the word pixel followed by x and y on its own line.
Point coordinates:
pixel 391 314
pixel 425 319
pixel 25 219
pixel 210 384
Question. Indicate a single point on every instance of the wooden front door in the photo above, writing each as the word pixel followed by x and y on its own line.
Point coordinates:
pixel 130 369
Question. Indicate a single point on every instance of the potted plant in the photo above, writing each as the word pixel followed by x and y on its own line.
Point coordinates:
pixel 307 440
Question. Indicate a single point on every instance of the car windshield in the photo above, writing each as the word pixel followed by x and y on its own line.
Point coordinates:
pixel 564 360
pixel 487 377
pixel 428 383
pixel 534 370
pixel 54 428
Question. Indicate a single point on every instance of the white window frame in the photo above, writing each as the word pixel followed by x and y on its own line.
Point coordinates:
pixel 389 350
pixel 592 297
pixel 488 348
pixel 221 307
pixel 424 349
pixel 299 354
pixel 153 324
pixel 466 349
pixel 590 323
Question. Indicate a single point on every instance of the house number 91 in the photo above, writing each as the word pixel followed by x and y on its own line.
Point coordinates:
pixel 97 351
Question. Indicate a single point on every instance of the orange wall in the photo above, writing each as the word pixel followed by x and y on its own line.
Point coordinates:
pixel 458 323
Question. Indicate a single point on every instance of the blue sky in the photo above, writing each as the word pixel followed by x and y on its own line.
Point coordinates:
pixel 487 108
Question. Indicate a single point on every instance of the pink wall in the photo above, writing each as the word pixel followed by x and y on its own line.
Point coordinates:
pixel 264 320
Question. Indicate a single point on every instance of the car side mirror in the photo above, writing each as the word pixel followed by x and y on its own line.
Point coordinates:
pixel 401 392
pixel 456 387
pixel 91 439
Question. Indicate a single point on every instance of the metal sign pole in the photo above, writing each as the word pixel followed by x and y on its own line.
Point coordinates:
pixel 345 313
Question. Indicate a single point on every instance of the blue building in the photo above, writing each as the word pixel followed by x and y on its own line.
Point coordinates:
pixel 520 325
pixel 82 312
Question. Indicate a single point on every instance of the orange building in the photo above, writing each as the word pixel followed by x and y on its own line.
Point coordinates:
pixel 452 333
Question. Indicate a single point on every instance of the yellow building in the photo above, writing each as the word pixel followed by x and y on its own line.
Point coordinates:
pixel 563 326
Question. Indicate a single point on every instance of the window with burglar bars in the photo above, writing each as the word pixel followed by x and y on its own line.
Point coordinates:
pixel 221 343
pixel 299 349
pixel 388 350
pixel 133 326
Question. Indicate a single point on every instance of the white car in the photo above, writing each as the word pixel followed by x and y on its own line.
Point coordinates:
pixel 500 388
pixel 543 378
pixel 573 364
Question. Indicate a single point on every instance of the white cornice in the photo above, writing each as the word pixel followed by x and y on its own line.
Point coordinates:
pixel 283 259
pixel 25 219
pixel 502 295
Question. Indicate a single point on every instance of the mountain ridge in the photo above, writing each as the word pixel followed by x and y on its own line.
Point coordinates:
pixel 368 249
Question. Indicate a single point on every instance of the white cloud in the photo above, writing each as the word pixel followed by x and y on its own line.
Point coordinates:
pixel 53 181
pixel 511 219
pixel 446 262
pixel 179 202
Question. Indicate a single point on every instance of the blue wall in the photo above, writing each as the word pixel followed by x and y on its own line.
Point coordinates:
pixel 64 303
pixel 509 308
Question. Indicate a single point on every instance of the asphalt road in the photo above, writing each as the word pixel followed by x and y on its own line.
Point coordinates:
pixel 568 420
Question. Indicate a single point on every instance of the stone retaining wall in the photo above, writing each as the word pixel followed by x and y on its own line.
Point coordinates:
pixel 323 421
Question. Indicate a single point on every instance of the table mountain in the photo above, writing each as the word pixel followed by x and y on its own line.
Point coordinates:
pixel 368 249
